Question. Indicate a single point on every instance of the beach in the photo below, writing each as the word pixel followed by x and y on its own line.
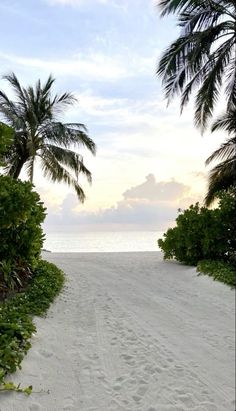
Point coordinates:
pixel 130 332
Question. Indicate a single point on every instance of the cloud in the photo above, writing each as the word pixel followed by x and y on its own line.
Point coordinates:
pixel 151 205
pixel 76 3
pixel 157 191
pixel 96 66
pixel 121 4
pixel 91 66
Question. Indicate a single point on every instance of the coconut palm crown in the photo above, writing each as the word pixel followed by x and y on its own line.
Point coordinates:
pixel 203 59
pixel 223 175
pixel 38 133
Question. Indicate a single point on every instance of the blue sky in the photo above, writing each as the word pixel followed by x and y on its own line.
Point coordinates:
pixel 106 51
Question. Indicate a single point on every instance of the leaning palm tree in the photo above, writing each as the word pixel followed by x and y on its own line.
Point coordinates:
pixel 203 59
pixel 223 175
pixel 38 133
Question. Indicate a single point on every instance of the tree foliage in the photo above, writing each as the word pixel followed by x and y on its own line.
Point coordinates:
pixel 219 270
pixel 21 215
pixel 203 58
pixel 6 139
pixel 223 175
pixel 38 133
pixel 202 234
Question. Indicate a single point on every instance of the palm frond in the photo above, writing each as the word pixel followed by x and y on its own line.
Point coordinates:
pixel 30 168
pixel 231 82
pixel 66 134
pixel 13 80
pixel 226 121
pixel 203 57
pixel 173 6
pixel 187 6
pixel 53 170
pixel 221 177
pixel 226 151
pixel 59 103
pixel 8 108
pixel 70 159
pixel 209 92
pixel 46 89
pixel 37 133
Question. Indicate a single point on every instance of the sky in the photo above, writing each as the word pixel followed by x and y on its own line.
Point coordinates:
pixel 150 160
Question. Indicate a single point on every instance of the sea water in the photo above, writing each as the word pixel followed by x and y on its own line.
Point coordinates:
pixel 100 241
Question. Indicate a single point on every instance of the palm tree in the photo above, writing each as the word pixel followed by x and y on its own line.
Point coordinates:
pixel 223 175
pixel 34 116
pixel 203 58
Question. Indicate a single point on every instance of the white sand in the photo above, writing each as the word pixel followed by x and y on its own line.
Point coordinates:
pixel 131 333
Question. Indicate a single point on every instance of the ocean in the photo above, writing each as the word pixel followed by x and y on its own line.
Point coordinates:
pixel 106 241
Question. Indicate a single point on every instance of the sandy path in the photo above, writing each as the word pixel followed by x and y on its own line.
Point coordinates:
pixel 131 333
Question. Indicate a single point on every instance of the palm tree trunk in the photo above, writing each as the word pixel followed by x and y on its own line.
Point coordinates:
pixel 15 174
pixel 32 170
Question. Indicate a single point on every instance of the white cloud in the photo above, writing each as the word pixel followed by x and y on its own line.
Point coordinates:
pixel 157 191
pixel 121 4
pixel 144 128
pixel 91 66
pixel 148 110
pixel 135 136
pixel 150 205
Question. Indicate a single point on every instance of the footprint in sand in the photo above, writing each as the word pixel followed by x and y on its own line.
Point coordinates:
pixel 68 405
pixel 117 387
pixel 46 354
pixel 120 379
pixel 127 357
pixel 142 390
pixel 136 398
pixel 34 407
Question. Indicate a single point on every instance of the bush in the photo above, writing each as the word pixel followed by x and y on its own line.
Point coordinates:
pixel 21 215
pixel 16 326
pixel 6 139
pixel 201 233
pixel 227 219
pixel 219 270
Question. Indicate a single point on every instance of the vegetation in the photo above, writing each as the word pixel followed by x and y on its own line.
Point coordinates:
pixel 223 175
pixel 203 57
pixel 28 285
pixel 39 134
pixel 16 325
pixel 6 138
pixel 203 234
pixel 21 215
pixel 201 61
pixel 219 270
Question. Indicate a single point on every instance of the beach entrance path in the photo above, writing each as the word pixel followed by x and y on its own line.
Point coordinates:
pixel 131 333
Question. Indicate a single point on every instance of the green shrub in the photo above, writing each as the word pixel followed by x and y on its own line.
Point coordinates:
pixel 6 139
pixel 21 215
pixel 219 270
pixel 227 220
pixel 201 233
pixel 16 326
